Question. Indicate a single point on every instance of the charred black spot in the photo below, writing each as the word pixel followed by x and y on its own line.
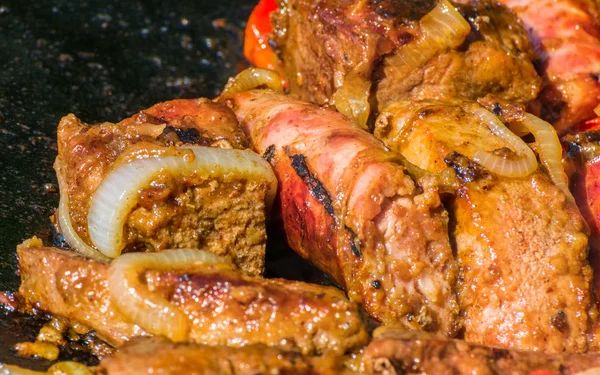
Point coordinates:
pixel 184 277
pixel 189 135
pixel 559 321
pixel 496 109
pixel 595 76
pixel 269 153
pixel 376 284
pixel 410 317
pixel 316 188
pixel 465 169
pixel 354 243
pixel 499 353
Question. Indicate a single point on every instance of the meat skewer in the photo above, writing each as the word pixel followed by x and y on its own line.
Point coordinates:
pixel 176 175
pixel 221 305
pixel 350 208
pixel 525 282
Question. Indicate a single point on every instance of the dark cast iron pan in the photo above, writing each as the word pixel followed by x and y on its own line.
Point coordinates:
pixel 101 60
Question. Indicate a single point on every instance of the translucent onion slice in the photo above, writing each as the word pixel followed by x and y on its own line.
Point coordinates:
pixel 525 165
pixel 550 151
pixel 252 78
pixel 442 28
pixel 149 310
pixel 69 368
pixel 64 220
pixel 117 195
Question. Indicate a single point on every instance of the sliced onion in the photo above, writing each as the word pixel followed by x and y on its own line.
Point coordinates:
pixel 442 28
pixel 525 165
pixel 550 151
pixel 118 194
pixel 69 368
pixel 252 78
pixel 149 310
pixel 64 220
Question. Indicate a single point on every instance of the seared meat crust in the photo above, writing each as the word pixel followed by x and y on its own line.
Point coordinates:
pixel 525 282
pixel 349 207
pixel 224 307
pixel 395 352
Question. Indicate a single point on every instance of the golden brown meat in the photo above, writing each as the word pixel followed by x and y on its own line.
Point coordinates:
pixel 223 306
pixel 394 352
pixel 524 282
pixel 223 212
pixel 566 35
pixel 352 46
pixel 350 208
pixel 160 357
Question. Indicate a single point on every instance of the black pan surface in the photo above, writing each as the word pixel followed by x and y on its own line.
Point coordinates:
pixel 102 60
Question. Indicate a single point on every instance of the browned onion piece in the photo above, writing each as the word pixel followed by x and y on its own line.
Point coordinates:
pixel 550 151
pixel 252 78
pixel 525 165
pixel 149 310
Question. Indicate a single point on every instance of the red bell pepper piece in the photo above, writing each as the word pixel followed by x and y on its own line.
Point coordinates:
pixel 256 40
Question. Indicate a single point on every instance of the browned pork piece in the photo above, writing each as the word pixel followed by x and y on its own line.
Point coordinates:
pixel 566 35
pixel 176 175
pixel 218 304
pixel 349 207
pixel 152 356
pixel 394 352
pixel 348 51
pixel 521 243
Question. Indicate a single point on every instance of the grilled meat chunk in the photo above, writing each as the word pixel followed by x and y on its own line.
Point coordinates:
pixel 154 356
pixel 566 36
pixel 325 45
pixel 222 213
pixel 395 352
pixel 224 306
pixel 349 207
pixel 525 282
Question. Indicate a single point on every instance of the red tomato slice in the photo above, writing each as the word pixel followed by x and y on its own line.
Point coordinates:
pixel 256 40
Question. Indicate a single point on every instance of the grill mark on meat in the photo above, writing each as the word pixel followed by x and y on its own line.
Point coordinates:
pixel 559 321
pixel 189 135
pixel 316 188
pixel 354 243
pixel 269 153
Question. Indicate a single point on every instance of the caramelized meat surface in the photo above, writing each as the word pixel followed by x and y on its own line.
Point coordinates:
pixel 224 307
pixel 525 282
pixel 223 214
pixel 325 45
pixel 395 352
pixel 349 207
pixel 566 36
pixel 155 356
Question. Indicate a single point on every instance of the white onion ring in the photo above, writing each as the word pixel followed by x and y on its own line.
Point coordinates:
pixel 550 151
pixel 64 219
pixel 252 78
pixel 117 194
pixel 522 167
pixel 149 310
